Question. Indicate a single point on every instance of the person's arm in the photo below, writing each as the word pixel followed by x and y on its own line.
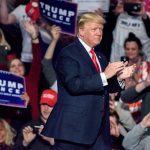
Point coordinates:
pixel 5 17
pixel 32 29
pixel 134 137
pixel 55 32
pixel 48 69
pixel 135 93
pixel 145 18
pixel 146 23
pixel 125 117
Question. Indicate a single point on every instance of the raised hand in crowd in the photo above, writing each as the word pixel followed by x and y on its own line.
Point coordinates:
pixel 55 33
pixel 99 11
pixel 119 7
pixel 25 97
pixel 142 11
pixel 31 28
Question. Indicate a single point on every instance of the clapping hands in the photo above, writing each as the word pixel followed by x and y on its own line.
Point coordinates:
pixel 120 69
pixel 126 72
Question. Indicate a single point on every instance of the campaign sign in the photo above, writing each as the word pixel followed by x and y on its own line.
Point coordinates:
pixel 11 88
pixel 60 13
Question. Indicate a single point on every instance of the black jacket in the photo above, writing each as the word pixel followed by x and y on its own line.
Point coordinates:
pixel 37 144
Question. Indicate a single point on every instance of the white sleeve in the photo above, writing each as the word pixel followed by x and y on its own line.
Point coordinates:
pixel 20 13
pixel 104 79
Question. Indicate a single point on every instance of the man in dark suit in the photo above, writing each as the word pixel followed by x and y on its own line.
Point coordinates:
pixel 80 119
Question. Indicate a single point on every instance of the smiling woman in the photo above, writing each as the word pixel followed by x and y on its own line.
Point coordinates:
pixel 7 135
pixel 133 50
pixel 18 116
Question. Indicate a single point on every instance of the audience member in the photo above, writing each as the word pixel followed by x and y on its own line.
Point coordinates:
pixel 19 14
pixel 19 115
pixel 117 137
pixel 47 63
pixel 133 51
pixel 139 91
pixel 136 139
pixel 29 137
pixel 7 135
pixel 125 116
pixel 130 21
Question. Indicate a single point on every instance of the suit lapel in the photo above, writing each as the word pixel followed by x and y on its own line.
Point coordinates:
pixel 84 54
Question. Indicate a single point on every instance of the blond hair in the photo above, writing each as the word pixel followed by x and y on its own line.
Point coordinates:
pixel 10 133
pixel 90 17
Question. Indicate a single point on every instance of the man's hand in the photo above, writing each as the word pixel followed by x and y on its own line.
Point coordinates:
pixel 28 136
pixel 113 68
pixel 126 72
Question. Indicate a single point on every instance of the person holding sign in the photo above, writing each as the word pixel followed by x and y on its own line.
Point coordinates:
pixel 32 80
pixel 80 118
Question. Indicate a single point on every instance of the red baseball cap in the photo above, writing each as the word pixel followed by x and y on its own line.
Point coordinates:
pixel 49 97
pixel 33 10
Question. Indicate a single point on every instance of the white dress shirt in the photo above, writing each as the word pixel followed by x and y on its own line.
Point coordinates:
pixel 102 74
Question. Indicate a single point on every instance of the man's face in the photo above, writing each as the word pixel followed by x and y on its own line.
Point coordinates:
pixel 45 111
pixel 91 33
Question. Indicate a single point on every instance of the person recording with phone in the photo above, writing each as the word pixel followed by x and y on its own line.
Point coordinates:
pixel 29 137
pixel 131 17
pixel 133 52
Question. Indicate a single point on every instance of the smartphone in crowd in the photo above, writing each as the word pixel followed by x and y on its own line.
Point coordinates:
pixel 132 7
pixel 124 58
pixel 36 129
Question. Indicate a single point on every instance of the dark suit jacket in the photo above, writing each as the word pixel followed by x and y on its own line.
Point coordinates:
pixel 82 98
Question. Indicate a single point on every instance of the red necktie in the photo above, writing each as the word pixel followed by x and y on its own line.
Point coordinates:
pixel 94 60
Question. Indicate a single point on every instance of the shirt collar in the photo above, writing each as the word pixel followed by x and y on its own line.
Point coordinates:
pixel 88 48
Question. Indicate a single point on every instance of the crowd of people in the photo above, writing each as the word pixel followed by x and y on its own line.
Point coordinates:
pixel 89 92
